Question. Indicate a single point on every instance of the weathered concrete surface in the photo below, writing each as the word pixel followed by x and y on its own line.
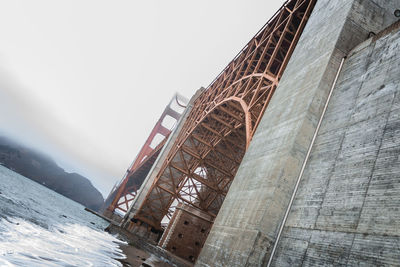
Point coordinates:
pixel 247 224
pixel 145 187
pixel 347 209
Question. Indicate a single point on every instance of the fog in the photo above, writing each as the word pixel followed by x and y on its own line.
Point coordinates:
pixel 85 81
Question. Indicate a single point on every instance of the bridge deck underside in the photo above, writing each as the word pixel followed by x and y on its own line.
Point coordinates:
pixel 123 195
pixel 134 182
pixel 203 162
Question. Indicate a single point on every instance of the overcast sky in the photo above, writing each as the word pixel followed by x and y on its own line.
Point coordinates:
pixel 85 81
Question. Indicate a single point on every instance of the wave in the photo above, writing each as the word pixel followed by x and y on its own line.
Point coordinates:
pixel 24 243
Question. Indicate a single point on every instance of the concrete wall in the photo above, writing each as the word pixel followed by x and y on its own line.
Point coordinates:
pixel 247 224
pixel 347 209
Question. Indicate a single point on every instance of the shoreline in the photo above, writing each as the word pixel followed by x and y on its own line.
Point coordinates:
pixel 139 252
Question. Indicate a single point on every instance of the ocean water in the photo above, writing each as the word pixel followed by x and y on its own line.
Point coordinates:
pixel 39 227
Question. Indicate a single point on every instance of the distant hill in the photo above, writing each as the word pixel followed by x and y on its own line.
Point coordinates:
pixel 45 171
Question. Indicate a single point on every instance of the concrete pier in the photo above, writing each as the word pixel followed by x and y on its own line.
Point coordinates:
pixel 246 227
pixel 346 211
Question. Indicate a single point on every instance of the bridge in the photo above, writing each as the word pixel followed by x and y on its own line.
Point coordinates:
pixel 290 156
pixel 200 164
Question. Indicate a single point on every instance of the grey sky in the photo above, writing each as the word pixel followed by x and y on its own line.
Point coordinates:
pixel 85 81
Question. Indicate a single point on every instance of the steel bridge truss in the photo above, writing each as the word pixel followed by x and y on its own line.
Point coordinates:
pixel 207 153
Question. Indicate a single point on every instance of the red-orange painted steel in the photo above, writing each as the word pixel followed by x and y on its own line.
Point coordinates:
pixel 207 153
pixel 144 160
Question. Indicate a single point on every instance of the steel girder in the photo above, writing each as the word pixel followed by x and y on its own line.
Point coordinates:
pixel 207 153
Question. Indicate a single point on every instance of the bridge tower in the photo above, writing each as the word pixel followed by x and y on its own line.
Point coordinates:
pixel 122 195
